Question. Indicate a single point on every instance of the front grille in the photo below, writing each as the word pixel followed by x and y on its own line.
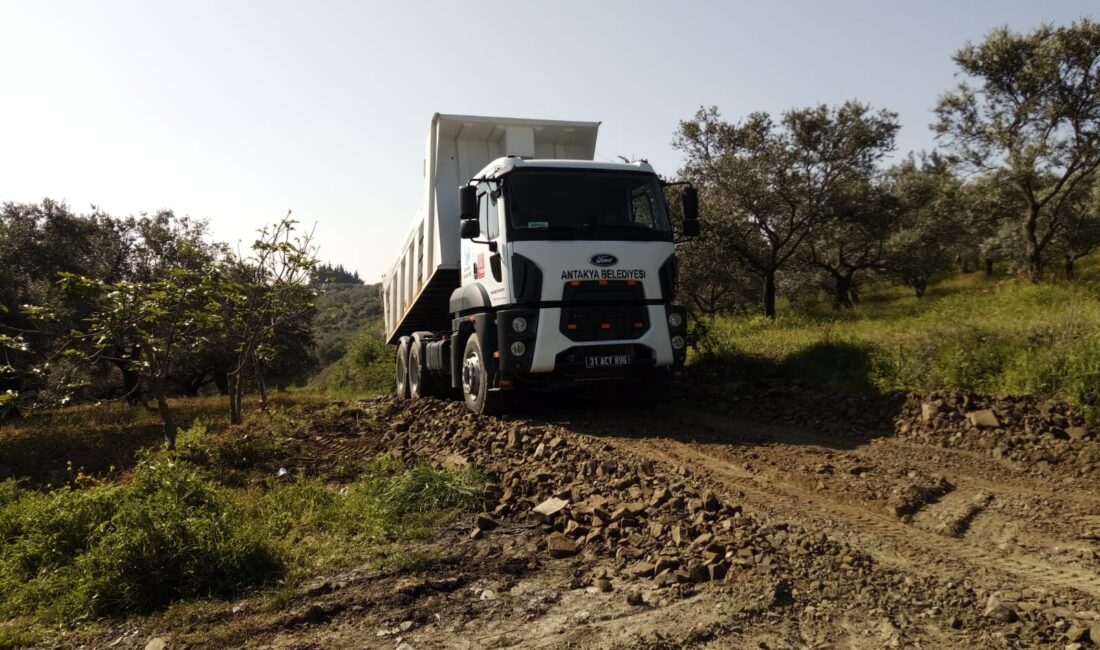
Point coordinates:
pixel 616 312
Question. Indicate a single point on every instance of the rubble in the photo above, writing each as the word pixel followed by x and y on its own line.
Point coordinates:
pixel 666 530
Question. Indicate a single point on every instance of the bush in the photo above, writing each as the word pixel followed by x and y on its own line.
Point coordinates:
pixel 365 369
pixel 106 550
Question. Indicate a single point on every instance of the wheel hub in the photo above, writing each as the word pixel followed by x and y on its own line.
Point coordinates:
pixel 471 375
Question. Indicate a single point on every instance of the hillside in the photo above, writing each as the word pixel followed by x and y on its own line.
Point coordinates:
pixel 343 310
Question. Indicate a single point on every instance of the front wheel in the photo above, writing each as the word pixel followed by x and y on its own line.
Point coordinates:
pixel 401 371
pixel 475 381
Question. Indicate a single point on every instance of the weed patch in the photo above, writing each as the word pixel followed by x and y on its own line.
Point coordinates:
pixel 175 533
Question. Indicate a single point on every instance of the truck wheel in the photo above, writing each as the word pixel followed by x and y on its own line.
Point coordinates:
pixel 401 371
pixel 475 381
pixel 420 382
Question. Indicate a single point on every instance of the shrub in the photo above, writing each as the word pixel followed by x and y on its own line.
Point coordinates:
pixel 366 367
pixel 108 549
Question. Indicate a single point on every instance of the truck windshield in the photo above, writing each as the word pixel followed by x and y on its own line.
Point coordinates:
pixel 551 204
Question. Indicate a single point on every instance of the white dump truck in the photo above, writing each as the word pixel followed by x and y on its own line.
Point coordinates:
pixel 529 265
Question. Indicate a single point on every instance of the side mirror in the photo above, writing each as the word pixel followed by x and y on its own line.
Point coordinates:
pixel 691 227
pixel 470 229
pixel 467 200
pixel 691 203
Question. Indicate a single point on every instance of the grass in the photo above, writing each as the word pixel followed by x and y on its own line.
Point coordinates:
pixel 208 521
pixel 992 336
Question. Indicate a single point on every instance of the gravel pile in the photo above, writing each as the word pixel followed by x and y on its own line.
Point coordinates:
pixel 1036 435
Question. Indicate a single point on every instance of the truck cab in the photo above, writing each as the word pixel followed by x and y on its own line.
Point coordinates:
pixel 566 274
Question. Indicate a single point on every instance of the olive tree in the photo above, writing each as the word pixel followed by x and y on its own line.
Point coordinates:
pixel 1080 231
pixel 1029 107
pixel 767 184
pixel 852 240
pixel 930 224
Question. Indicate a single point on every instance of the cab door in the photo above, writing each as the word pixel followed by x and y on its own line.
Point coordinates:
pixel 486 254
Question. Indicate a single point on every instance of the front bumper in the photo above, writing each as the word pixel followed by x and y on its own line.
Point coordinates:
pixel 547 349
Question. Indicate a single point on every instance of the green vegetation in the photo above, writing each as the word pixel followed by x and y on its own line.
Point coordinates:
pixel 210 520
pixel 365 369
pixel 992 336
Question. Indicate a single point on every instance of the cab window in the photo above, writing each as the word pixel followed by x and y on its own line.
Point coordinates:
pixel 487 214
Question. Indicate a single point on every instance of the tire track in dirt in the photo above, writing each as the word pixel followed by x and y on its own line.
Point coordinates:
pixel 887 540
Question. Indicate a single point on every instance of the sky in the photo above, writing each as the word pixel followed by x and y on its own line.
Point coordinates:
pixel 236 111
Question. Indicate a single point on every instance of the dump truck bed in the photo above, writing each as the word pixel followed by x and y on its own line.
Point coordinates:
pixel 416 291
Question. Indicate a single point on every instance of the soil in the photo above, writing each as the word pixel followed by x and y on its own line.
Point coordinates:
pixel 746 515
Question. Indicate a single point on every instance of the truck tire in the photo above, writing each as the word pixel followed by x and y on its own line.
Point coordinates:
pixel 401 370
pixel 421 383
pixel 475 381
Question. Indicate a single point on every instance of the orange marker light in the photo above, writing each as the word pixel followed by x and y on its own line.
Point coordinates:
pixel 639 326
pixel 575 283
pixel 605 326
pixel 496 355
pixel 603 282
pixel 571 326
pixel 631 283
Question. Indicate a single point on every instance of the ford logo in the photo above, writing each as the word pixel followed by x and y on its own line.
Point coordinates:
pixel 603 259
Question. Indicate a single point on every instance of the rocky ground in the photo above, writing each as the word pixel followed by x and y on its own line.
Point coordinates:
pixel 756 515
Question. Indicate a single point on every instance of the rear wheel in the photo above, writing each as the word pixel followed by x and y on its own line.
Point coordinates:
pixel 401 371
pixel 475 381
pixel 420 382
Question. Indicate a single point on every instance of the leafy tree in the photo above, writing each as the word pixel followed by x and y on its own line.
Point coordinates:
pixel 989 211
pixel 38 241
pixel 852 240
pixel 709 279
pixel 930 223
pixel 767 185
pixel 1030 109
pixel 163 320
pixel 1080 231
pixel 267 296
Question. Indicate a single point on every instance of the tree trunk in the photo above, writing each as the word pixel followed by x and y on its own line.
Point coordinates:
pixel 841 286
pixel 261 386
pixel 235 397
pixel 1069 267
pixel 988 267
pixel 221 380
pixel 166 416
pixel 131 385
pixel 1032 252
pixel 769 293
pixel 920 285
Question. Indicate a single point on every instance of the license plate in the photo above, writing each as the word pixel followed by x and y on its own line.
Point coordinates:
pixel 607 361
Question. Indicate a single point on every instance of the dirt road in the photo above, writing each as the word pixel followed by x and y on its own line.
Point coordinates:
pixel 691 525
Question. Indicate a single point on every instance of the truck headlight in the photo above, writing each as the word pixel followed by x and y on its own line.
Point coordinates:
pixel 678 342
pixel 675 319
pixel 519 325
pixel 518 349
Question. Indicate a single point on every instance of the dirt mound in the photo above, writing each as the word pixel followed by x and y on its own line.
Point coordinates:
pixel 659 533
pixel 1036 435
